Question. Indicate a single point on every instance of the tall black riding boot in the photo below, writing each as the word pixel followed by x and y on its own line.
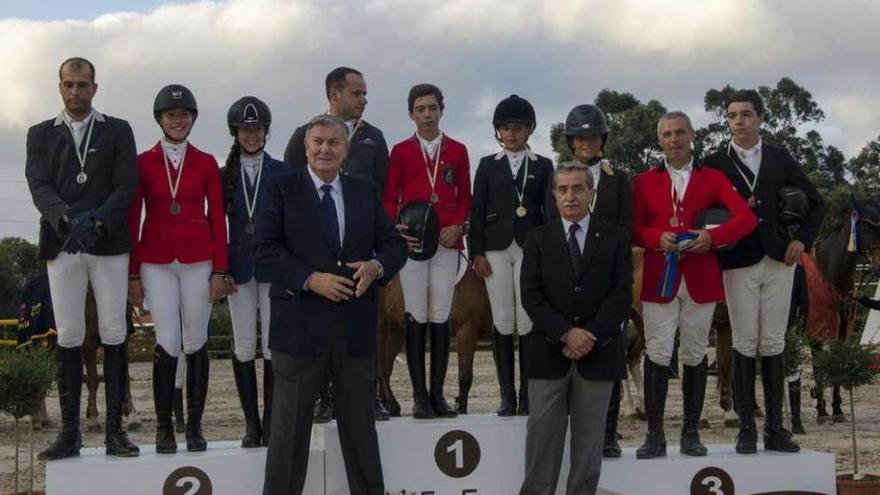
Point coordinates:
pixel 380 412
pixel 324 404
pixel 611 448
pixel 794 401
pixel 179 416
pixel 164 372
pixel 656 388
pixel 268 392
pixel 523 405
pixel 502 345
pixel 439 363
pixel 197 366
pixel 115 380
pixel 246 383
pixel 693 387
pixel 70 374
pixel 744 402
pixel 415 362
pixel 776 437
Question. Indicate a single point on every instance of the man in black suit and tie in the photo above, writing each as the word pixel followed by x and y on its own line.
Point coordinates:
pixel 577 289
pixel 325 238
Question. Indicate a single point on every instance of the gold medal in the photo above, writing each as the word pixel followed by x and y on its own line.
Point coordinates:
pixel 752 201
pixel 674 221
pixel 521 211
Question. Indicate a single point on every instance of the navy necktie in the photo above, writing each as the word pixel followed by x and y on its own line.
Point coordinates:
pixel 574 249
pixel 328 210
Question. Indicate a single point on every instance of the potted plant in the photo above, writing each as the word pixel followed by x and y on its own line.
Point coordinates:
pixel 25 378
pixel 849 365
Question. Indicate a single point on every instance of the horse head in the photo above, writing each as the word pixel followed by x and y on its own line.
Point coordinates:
pixel 869 229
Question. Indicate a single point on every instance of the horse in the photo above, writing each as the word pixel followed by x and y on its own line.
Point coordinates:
pixel 90 345
pixel 837 267
pixel 836 260
pixel 471 320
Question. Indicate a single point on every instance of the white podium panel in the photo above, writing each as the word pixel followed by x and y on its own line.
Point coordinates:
pixel 225 468
pixel 484 455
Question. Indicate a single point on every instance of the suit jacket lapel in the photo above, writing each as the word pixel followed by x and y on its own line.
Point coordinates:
pixel 693 183
pixel 591 241
pixel 559 243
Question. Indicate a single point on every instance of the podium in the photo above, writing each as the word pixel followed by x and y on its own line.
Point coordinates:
pixel 469 455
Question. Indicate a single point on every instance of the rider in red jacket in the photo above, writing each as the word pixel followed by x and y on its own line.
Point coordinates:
pixel 429 167
pixel 667 202
pixel 180 259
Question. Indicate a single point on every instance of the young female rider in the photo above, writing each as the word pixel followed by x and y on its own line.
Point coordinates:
pixel 247 169
pixel 509 200
pixel 180 259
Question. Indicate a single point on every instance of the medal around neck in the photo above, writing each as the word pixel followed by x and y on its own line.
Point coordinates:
pixel 521 211
pixel 81 178
pixel 174 208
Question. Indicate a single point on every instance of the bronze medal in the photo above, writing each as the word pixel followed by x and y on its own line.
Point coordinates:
pixel 521 211
pixel 674 222
pixel 434 198
pixel 175 208
pixel 752 201
pixel 249 228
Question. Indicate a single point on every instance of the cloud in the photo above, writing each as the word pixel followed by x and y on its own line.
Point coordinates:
pixel 556 54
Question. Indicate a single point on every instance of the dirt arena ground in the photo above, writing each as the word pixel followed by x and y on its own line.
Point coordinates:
pixel 223 420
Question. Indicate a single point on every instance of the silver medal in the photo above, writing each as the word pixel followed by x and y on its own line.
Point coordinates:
pixel 434 197
pixel 249 228
pixel 81 178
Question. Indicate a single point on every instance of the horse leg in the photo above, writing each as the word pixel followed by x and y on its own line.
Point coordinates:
pixel 466 345
pixel 391 343
pixel 128 409
pixel 724 356
pixel 837 414
pixel 635 351
pixel 818 391
pixel 90 358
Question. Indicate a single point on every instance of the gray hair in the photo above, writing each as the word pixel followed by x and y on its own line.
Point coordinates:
pixel 573 166
pixel 327 120
pixel 675 114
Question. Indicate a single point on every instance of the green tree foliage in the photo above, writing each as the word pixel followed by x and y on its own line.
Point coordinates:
pixel 25 378
pixel 865 168
pixel 18 262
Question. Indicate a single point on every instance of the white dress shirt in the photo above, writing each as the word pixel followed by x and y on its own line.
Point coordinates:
pixel 751 157
pixel 430 147
pixel 78 127
pixel 251 165
pixel 580 235
pixel 680 177
pixel 174 151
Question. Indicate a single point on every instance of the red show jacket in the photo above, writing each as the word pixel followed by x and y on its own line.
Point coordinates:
pixel 190 236
pixel 408 181
pixel 706 188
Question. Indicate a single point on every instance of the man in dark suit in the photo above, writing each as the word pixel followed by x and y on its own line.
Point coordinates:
pixel 758 272
pixel 577 289
pixel 325 238
pixel 82 172
pixel 366 158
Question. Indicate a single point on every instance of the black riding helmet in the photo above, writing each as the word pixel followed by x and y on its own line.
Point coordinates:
pixel 248 110
pixel 586 120
pixel 793 205
pixel 421 221
pixel 174 96
pixel 513 110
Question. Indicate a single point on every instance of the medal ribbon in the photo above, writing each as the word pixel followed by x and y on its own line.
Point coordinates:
pixel 520 194
pixel 432 179
pixel 176 184
pixel 82 152
pixel 666 287
pixel 251 206
pixel 674 192
pixel 751 185
pixel 853 244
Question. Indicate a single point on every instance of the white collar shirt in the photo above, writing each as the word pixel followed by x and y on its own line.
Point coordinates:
pixel 581 234
pixel 78 128
pixel 175 152
pixel 680 177
pixel 430 147
pixel 252 165
pixel 751 157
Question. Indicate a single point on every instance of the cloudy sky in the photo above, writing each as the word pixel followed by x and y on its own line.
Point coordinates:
pixel 555 53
